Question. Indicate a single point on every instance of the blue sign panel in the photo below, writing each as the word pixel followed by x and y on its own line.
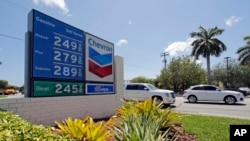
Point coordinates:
pixel 99 88
pixel 58 49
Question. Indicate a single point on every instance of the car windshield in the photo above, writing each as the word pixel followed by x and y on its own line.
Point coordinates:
pixel 152 87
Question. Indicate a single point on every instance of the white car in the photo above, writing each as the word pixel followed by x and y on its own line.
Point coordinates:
pixel 212 93
pixel 142 91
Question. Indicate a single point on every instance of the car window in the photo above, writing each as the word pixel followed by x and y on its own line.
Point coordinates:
pixel 141 87
pixel 210 88
pixel 136 87
pixel 152 87
pixel 196 88
pixel 131 87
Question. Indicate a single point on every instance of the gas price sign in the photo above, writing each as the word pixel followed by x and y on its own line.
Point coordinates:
pixel 56 57
pixel 57 48
pixel 51 88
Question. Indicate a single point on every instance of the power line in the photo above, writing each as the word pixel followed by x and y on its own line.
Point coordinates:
pixel 12 37
pixel 140 67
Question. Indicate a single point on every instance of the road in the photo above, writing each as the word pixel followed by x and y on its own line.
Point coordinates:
pixel 239 110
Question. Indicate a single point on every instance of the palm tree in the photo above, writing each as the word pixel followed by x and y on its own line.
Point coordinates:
pixel 244 52
pixel 206 44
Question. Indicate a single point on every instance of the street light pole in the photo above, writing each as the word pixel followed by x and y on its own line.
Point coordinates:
pixel 227 71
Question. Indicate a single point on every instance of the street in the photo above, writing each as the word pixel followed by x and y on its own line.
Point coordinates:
pixel 239 110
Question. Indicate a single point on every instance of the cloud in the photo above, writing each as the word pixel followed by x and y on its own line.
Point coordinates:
pixel 230 21
pixel 129 22
pixel 122 42
pixel 180 46
pixel 197 61
pixel 54 3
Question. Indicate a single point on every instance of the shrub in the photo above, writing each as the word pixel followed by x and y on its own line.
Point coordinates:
pixel 84 129
pixel 137 121
pixel 14 128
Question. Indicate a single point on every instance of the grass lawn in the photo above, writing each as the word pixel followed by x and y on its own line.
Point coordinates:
pixel 3 96
pixel 209 128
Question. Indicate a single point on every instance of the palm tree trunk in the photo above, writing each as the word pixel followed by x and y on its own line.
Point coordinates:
pixel 208 70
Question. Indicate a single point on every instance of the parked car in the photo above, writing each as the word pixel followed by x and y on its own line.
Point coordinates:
pixel 237 90
pixel 212 93
pixel 142 91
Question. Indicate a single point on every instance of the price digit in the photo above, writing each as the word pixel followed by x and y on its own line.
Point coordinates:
pixel 58 89
pixel 80 47
pixel 73 58
pixel 66 71
pixel 74 89
pixel 66 56
pixel 79 60
pixel 66 43
pixel 57 41
pixel 73 45
pixel 57 70
pixel 80 72
pixel 57 55
pixel 73 72
pixel 67 89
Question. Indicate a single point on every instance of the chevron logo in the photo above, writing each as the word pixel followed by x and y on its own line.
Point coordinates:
pixel 100 64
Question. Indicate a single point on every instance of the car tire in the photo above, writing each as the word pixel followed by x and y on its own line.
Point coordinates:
pixel 230 100
pixel 158 99
pixel 192 99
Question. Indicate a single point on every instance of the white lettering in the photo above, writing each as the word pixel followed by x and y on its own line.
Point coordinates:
pixel 45 22
pixel 38 52
pixel 100 89
pixel 69 31
pixel 92 42
pixel 40 88
pixel 239 132
pixel 41 36
pixel 42 69
pixel 77 34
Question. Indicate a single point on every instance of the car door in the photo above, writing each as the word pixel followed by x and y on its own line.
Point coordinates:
pixel 142 92
pixel 130 91
pixel 200 92
pixel 136 92
pixel 213 93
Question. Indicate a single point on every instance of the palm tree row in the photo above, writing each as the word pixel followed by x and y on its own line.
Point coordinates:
pixel 206 44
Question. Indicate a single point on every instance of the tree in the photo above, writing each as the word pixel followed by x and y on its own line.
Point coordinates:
pixel 206 44
pixel 181 73
pixel 142 79
pixel 238 74
pixel 244 52
pixel 3 84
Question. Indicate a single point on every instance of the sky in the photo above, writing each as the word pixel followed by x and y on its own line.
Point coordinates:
pixel 141 30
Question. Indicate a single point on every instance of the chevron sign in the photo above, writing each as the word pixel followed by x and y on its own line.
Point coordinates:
pixel 99 59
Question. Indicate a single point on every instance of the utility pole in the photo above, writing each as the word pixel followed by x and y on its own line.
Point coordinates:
pixel 165 63
pixel 165 60
pixel 227 71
